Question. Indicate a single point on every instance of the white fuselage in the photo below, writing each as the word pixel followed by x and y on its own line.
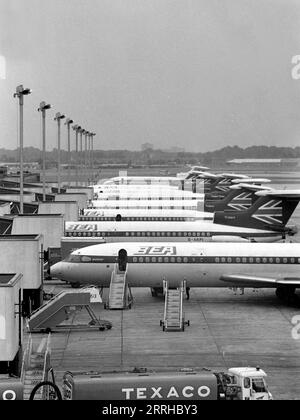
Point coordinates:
pixel 195 231
pixel 150 195
pixel 200 265
pixel 146 215
pixel 149 204
pixel 142 180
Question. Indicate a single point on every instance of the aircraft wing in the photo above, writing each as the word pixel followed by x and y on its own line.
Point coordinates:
pixel 244 280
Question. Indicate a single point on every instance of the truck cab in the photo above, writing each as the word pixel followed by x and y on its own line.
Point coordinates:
pixel 250 382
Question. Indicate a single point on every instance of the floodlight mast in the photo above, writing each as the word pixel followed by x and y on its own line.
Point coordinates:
pixel 86 156
pixel 20 93
pixel 42 108
pixel 68 122
pixel 81 132
pixel 89 158
pixel 76 128
pixel 58 117
pixel 92 155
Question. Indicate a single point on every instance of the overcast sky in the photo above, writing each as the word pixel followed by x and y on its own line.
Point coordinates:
pixel 198 74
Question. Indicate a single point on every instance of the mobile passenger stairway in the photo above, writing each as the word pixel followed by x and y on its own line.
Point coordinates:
pixel 35 365
pixel 120 296
pixel 62 307
pixel 173 312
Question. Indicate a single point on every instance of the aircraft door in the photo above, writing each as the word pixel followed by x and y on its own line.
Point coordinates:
pixel 122 259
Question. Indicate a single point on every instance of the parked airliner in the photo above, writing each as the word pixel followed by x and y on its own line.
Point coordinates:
pixel 199 231
pixel 165 193
pixel 265 220
pixel 139 215
pixel 149 204
pixel 239 197
pixel 200 265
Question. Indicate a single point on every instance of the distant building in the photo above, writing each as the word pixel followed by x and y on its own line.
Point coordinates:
pixel 146 146
pixel 266 162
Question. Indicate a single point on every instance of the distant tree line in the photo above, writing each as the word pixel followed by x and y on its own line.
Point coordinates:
pixel 156 156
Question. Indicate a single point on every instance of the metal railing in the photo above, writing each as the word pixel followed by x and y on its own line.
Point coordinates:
pixel 165 290
pixel 46 368
pixel 113 274
pixel 26 358
pixel 181 317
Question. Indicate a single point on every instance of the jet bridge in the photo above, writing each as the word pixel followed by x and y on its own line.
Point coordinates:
pixel 173 311
pixel 62 307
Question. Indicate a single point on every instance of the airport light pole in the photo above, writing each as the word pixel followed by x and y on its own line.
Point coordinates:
pixel 86 156
pixel 92 155
pixel 76 128
pixel 81 132
pixel 20 93
pixel 43 107
pixel 58 117
pixel 68 123
pixel 89 157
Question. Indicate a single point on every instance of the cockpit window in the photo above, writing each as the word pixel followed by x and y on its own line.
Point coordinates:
pixel 73 258
pixel 258 385
pixel 86 259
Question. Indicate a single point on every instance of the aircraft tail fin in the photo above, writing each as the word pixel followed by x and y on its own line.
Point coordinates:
pixel 271 211
pixel 239 198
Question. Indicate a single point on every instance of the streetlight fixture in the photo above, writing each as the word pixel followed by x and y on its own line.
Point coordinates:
pixel 58 117
pixel 92 155
pixel 76 128
pixel 20 93
pixel 86 156
pixel 89 158
pixel 81 132
pixel 68 123
pixel 42 108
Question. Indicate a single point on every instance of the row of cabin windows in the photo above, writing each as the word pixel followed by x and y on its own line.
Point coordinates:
pixel 183 207
pixel 171 198
pixel 157 234
pixel 218 260
pixel 155 219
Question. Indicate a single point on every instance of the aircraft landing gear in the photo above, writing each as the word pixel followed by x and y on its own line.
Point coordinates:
pixel 157 291
pixel 287 294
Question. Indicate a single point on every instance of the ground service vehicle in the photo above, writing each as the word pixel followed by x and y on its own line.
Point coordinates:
pixel 236 384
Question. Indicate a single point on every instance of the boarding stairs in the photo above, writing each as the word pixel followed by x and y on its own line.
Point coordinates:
pixel 173 312
pixel 62 307
pixel 120 296
pixel 36 366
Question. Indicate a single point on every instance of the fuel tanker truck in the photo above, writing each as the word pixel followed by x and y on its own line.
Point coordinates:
pixel 244 383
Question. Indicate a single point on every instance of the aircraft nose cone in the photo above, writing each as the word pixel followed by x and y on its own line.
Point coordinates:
pixel 56 270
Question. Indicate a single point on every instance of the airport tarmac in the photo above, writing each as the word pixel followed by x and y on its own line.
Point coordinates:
pixel 226 330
